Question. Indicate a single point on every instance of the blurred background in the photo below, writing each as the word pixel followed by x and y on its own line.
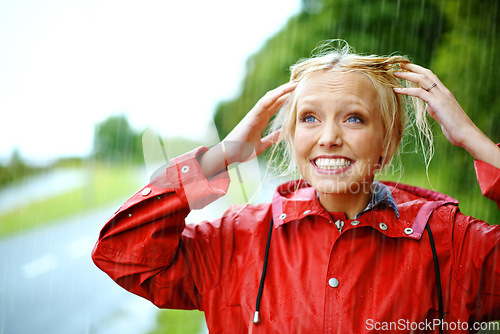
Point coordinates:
pixel 83 81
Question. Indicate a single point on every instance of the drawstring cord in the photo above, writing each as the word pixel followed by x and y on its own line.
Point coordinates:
pixel 256 316
pixel 438 278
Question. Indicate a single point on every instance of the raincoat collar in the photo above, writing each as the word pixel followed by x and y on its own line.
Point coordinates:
pixel 404 216
pixel 381 195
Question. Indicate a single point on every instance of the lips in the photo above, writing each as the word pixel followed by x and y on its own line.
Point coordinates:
pixel 331 164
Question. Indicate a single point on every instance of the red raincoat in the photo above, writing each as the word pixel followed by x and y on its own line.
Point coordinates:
pixel 377 274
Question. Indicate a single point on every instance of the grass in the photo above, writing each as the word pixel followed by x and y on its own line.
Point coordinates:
pixel 179 321
pixel 103 184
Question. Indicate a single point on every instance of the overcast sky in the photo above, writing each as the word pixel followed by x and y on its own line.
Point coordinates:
pixel 67 64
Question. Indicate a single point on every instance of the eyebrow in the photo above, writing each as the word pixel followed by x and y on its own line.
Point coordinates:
pixel 348 102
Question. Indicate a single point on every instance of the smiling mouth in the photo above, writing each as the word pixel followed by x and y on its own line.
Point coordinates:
pixel 332 164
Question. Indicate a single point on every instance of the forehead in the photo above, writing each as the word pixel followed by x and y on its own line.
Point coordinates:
pixel 334 86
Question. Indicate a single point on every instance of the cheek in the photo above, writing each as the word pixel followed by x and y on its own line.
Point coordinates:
pixel 299 143
pixel 373 148
pixel 302 149
pixel 368 145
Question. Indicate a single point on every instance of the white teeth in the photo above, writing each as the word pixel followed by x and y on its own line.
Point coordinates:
pixel 332 163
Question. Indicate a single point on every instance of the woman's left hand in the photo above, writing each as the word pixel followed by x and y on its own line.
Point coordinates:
pixel 441 104
pixel 444 108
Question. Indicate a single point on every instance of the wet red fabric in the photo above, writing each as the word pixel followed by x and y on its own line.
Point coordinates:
pixel 377 272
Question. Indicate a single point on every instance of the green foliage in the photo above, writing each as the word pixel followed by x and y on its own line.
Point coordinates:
pixel 116 141
pixel 104 184
pixel 179 322
pixel 16 169
pixel 176 146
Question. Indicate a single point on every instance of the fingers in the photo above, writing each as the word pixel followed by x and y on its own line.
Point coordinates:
pixel 251 127
pixel 269 100
pixel 415 92
pixel 278 104
pixel 420 79
pixel 425 78
pixel 418 74
pixel 420 70
pixel 271 139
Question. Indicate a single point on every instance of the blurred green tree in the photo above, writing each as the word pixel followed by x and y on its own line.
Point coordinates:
pixel 116 141
pixel 16 169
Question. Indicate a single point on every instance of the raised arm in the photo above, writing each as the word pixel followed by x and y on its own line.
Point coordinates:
pixel 147 248
pixel 444 108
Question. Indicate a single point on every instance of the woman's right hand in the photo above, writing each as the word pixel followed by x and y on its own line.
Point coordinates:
pixel 249 130
pixel 245 141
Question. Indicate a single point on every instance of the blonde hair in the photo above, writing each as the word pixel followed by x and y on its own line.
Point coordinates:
pixel 396 111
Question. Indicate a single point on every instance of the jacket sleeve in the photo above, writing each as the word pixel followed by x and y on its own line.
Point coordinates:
pixel 476 251
pixel 476 254
pixel 488 177
pixel 142 247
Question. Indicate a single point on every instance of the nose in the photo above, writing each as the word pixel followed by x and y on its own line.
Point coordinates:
pixel 331 136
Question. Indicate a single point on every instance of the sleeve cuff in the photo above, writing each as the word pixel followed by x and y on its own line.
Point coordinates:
pixel 488 177
pixel 189 182
pixel 185 177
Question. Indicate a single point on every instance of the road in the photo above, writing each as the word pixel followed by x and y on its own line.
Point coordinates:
pixel 48 284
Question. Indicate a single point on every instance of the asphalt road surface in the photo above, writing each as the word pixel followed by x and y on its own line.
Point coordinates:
pixel 49 284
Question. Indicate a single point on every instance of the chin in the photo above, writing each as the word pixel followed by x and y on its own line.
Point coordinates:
pixel 330 187
pixel 342 187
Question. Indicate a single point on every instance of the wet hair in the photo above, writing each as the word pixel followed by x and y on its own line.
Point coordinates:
pixel 396 111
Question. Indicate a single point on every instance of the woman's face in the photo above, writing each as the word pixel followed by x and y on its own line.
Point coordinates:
pixel 339 132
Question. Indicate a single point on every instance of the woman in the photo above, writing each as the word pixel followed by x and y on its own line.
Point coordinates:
pixel 334 252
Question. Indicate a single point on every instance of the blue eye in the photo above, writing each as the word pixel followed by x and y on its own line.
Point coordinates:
pixel 355 119
pixel 308 119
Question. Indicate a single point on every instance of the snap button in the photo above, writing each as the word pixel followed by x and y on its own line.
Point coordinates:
pixel 383 226
pixel 130 215
pixel 185 169
pixel 333 282
pixel 355 222
pixel 306 212
pixel 408 230
pixel 283 216
pixel 146 191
